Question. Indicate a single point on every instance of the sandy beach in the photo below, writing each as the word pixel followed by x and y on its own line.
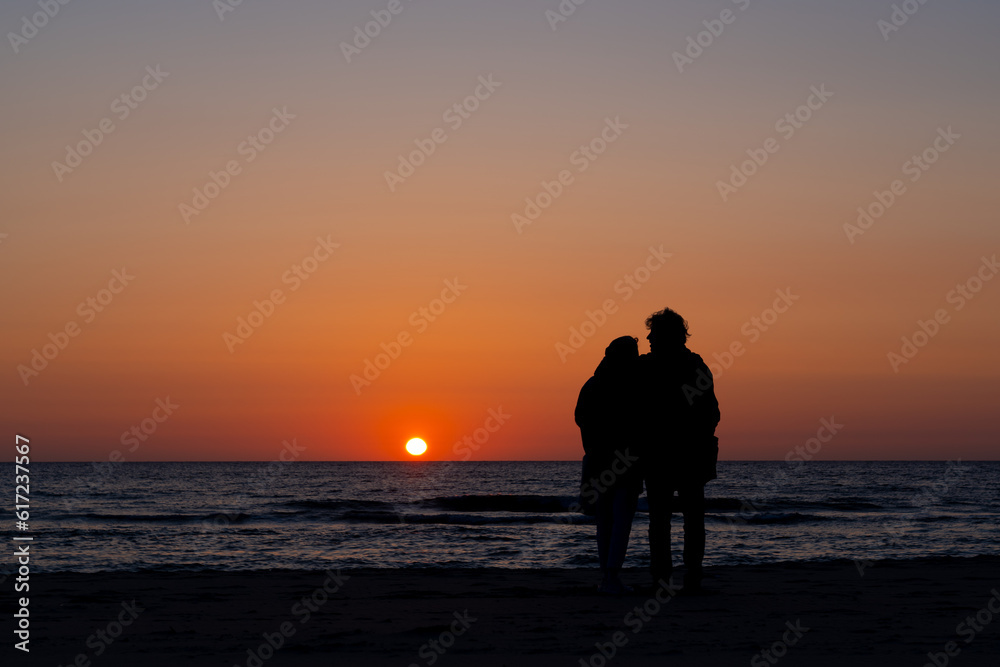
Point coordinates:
pixel 800 613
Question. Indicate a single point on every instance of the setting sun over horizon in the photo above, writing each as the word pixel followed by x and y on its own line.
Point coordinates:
pixel 416 446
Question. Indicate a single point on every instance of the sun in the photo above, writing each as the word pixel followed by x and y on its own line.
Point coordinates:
pixel 416 446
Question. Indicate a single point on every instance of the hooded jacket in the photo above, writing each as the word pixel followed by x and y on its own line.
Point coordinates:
pixel 608 414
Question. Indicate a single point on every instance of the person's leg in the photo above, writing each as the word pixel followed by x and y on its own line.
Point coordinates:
pixel 659 496
pixel 623 502
pixel 605 519
pixel 692 499
pixel 623 511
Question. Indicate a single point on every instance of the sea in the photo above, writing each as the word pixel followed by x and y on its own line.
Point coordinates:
pixel 419 514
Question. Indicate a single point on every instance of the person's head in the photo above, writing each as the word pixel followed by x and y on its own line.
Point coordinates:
pixel 619 356
pixel 667 330
pixel 622 349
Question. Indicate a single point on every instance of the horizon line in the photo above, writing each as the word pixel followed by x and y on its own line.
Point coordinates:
pixel 417 460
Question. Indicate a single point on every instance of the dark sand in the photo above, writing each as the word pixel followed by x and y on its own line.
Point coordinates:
pixel 894 615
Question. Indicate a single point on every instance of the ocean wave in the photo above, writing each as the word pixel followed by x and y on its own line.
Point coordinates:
pixel 215 517
pixel 539 503
pixel 774 518
pixel 503 503
pixel 363 516
pixel 795 505
pixel 844 505
pixel 345 504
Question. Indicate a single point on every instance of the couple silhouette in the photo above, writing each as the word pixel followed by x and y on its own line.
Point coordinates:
pixel 649 420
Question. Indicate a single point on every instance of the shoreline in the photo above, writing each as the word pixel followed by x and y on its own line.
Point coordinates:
pixel 948 559
pixel 821 562
pixel 895 614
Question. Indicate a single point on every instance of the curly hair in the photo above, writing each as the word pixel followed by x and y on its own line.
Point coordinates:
pixel 670 324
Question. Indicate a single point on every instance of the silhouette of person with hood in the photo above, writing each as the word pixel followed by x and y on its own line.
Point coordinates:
pixel 607 413
pixel 679 449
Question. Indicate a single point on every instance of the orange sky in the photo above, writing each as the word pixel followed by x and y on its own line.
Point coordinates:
pixel 385 253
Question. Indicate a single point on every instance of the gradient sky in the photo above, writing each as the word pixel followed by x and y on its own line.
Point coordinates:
pixel 323 176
